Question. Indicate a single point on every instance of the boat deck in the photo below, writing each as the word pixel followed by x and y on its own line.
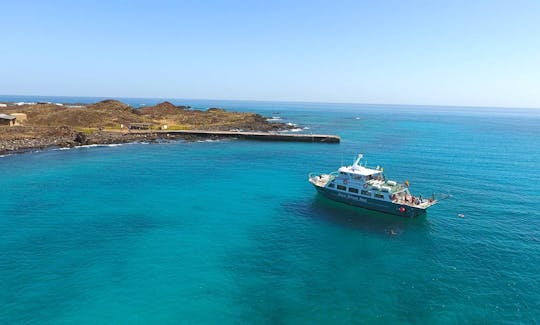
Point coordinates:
pixel 381 183
pixel 320 180
pixel 424 204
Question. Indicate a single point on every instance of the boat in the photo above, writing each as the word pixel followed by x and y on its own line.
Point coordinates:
pixel 361 186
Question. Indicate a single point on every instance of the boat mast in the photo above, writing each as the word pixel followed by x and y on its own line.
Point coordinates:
pixel 357 161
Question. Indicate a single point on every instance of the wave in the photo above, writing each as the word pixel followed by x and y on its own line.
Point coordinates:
pixel 273 119
pixel 90 146
pixel 296 130
pixel 213 140
pixel 99 145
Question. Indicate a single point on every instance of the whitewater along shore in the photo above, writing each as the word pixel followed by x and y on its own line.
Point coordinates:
pixel 107 122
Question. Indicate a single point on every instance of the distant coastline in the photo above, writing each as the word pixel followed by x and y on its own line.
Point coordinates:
pixel 41 125
pixel 202 102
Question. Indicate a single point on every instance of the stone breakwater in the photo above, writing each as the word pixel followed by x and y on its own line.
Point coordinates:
pixel 259 136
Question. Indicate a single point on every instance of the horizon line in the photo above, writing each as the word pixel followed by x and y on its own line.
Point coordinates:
pixel 293 101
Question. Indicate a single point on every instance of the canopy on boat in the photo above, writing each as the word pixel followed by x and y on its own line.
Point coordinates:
pixel 360 170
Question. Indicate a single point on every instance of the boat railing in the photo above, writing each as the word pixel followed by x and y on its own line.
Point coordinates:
pixel 322 179
pixel 423 201
pixel 331 176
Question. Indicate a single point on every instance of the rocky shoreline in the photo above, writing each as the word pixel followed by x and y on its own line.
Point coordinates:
pixel 107 122
pixel 29 145
pixel 67 138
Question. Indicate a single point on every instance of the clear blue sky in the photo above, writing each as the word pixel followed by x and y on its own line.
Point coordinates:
pixel 481 52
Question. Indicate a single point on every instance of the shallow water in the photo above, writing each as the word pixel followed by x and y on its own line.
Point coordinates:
pixel 231 231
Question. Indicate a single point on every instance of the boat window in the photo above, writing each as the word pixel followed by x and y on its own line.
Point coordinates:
pixel 380 196
pixel 353 190
pixel 341 187
pixel 331 185
pixel 364 192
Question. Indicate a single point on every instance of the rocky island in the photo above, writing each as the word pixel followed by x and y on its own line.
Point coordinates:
pixel 45 125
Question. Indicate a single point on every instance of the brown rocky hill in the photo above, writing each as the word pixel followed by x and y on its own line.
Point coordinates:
pixel 110 114
pixel 107 113
pixel 211 119
pixel 162 110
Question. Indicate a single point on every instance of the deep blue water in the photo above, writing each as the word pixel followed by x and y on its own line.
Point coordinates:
pixel 232 232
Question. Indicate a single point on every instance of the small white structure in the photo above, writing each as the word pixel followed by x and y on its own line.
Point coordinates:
pixel 3 105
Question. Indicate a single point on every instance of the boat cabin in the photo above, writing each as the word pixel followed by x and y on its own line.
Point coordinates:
pixel 367 182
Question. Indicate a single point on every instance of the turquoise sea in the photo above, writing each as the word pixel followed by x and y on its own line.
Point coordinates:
pixel 230 232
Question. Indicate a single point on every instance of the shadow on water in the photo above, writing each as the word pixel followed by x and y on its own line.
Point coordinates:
pixel 323 209
pixel 275 271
